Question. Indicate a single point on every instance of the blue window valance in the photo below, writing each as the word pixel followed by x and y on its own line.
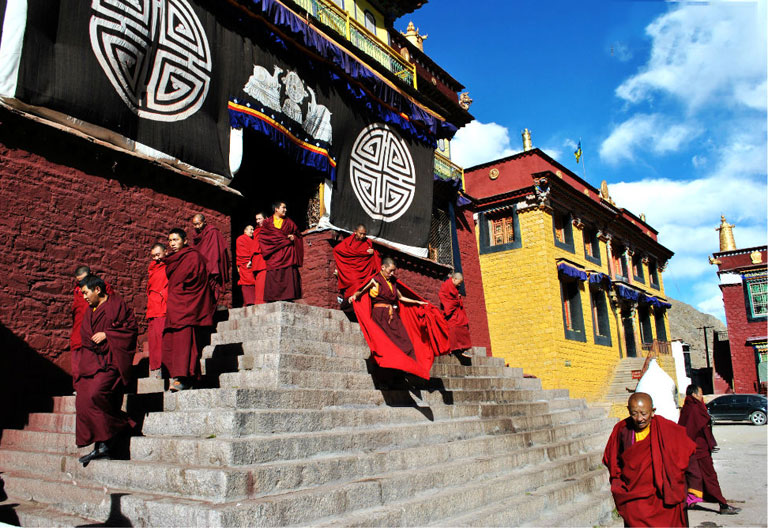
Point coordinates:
pixel 598 278
pixel 570 271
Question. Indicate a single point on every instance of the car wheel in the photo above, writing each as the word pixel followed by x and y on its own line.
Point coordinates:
pixel 757 418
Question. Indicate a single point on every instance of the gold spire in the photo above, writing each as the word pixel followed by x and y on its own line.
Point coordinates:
pixel 727 242
pixel 527 143
pixel 413 36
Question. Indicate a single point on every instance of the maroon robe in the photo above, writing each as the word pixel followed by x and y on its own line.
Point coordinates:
pixel 244 249
pixel 190 311
pixel 648 478
pixel 79 307
pixel 354 264
pixel 157 302
pixel 694 416
pixel 103 372
pixel 283 258
pixel 453 309
pixel 212 246
pixel 259 268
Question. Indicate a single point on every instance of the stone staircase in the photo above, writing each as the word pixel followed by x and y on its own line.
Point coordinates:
pixel 299 428
pixel 617 393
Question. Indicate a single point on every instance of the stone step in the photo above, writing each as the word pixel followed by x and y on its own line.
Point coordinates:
pixel 53 422
pixel 294 308
pixel 318 335
pixel 446 504
pixel 33 514
pixel 592 509
pixel 327 322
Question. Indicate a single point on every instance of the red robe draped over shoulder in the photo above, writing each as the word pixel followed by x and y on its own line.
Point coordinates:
pixel 424 324
pixel 283 258
pixel 157 304
pixel 244 249
pixel 104 370
pixel 79 307
pixel 354 264
pixel 258 268
pixel 213 247
pixel 648 478
pixel 453 310
pixel 190 299
pixel 694 416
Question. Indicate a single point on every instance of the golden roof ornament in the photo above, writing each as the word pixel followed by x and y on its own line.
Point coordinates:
pixel 604 192
pixel 642 217
pixel 413 36
pixel 465 100
pixel 527 143
pixel 727 242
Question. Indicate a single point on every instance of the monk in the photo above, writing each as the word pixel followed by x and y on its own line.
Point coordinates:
pixel 79 307
pixel 108 333
pixel 190 311
pixel 453 309
pixel 282 247
pixel 258 266
pixel 244 261
pixel 211 244
pixel 356 262
pixel 157 300
pixel 698 424
pixel 647 457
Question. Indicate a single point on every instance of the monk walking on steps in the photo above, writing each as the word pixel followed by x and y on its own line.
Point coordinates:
pixel 698 424
pixel 157 302
pixel 453 309
pixel 244 249
pixel 190 311
pixel 282 247
pixel 213 247
pixel 109 333
pixel 647 457
pixel 79 307
pixel 356 262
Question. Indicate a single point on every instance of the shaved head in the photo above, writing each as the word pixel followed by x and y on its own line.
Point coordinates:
pixel 199 216
pixel 640 407
pixel 640 396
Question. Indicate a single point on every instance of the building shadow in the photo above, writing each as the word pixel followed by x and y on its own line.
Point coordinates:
pixel 116 516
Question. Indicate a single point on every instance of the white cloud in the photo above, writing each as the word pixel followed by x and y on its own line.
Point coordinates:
pixel 570 144
pixel 479 142
pixel 713 305
pixel 621 52
pixel 646 133
pixel 705 53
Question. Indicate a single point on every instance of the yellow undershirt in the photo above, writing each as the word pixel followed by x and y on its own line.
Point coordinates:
pixel 642 435
pixel 277 221
pixel 374 291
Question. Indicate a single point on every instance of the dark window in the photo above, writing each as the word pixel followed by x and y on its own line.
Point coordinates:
pixel 645 324
pixel 756 298
pixel 653 273
pixel 562 230
pixel 591 245
pixel 440 238
pixel 661 331
pixel 370 22
pixel 637 268
pixel 573 319
pixel 600 317
pixel 499 231
pixel 619 258
pixel 339 3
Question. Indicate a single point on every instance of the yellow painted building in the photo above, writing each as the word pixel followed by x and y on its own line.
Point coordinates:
pixel 572 283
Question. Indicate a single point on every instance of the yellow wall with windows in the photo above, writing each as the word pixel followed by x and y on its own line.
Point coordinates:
pixel 525 317
pixel 357 9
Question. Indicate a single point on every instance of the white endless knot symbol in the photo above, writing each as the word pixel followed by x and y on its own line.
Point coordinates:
pixel 382 173
pixel 155 53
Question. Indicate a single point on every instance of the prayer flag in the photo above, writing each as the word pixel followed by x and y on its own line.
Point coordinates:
pixel 578 152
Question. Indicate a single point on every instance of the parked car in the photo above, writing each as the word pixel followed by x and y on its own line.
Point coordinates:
pixel 739 407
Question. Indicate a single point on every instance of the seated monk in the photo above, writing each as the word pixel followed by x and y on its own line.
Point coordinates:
pixel 453 309
pixel 647 457
pixel 356 262
pixel 108 333
pixel 282 247
pixel 403 333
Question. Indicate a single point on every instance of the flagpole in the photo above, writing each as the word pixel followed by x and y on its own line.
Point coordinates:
pixel 583 165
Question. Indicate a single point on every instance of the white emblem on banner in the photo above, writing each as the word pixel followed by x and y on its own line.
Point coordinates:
pixel 382 173
pixel 155 53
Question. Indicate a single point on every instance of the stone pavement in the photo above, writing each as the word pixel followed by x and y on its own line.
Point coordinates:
pixel 743 473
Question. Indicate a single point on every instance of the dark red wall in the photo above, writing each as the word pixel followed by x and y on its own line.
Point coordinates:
pixel 739 330
pixel 473 280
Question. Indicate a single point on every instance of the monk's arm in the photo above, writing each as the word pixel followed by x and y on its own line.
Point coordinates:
pixel 408 300
pixel 355 296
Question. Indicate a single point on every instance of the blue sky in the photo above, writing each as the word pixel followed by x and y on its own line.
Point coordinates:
pixel 669 100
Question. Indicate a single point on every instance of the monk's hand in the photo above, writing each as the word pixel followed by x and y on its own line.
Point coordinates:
pixel 351 299
pixel 98 337
pixel 369 251
pixel 249 264
pixel 291 237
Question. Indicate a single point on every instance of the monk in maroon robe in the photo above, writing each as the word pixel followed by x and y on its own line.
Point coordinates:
pixel 694 416
pixel 108 333
pixel 259 267
pixel 282 247
pixel 244 249
pixel 190 311
pixel 647 457
pixel 79 307
pixel 157 303
pixel 453 308
pixel 403 333
pixel 356 262
pixel 211 244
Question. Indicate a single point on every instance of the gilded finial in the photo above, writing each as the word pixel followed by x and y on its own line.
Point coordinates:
pixel 413 36
pixel 727 242
pixel 642 217
pixel 604 192
pixel 527 143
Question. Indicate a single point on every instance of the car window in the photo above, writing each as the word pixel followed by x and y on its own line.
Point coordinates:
pixel 740 399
